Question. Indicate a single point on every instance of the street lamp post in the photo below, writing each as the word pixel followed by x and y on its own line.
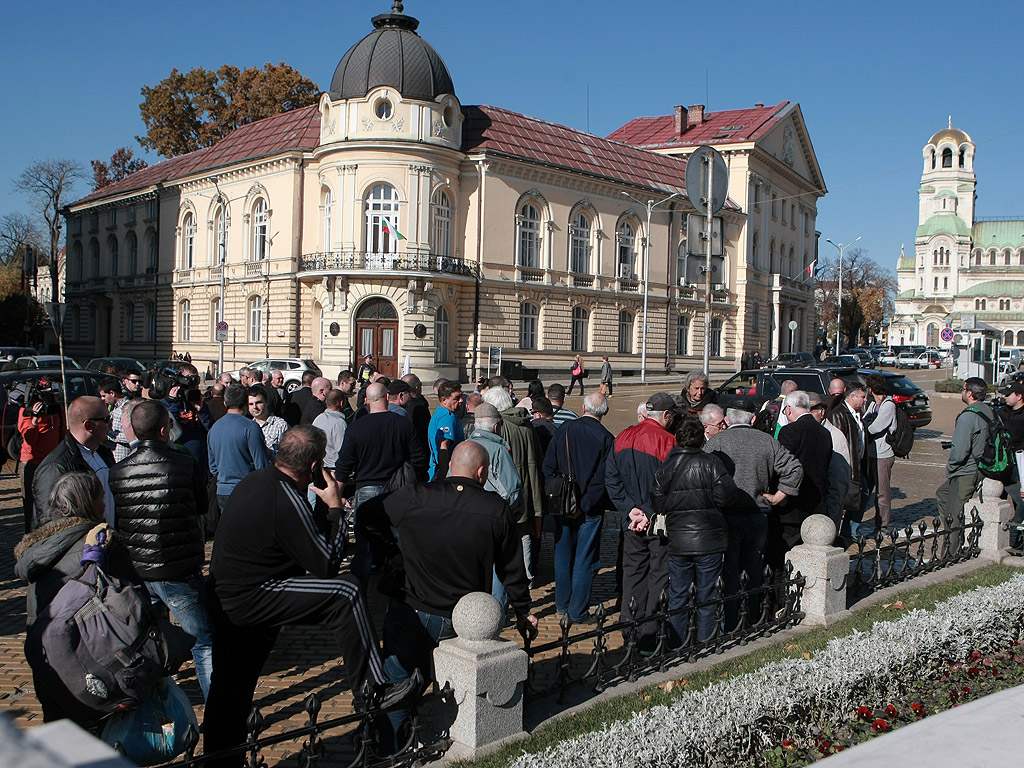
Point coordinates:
pixel 839 313
pixel 650 205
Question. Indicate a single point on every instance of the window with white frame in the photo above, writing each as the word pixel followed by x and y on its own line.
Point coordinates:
pixel 220 237
pixel 154 253
pixel 580 329
pixel 185 320
pixel 215 316
pixel 441 230
pixel 625 260
pixel 442 338
pixel 529 317
pixel 129 321
pixel 328 218
pixel 625 332
pixel 154 208
pixel 529 236
pixel 260 225
pixel 133 253
pixel 188 241
pixel 716 337
pixel 683 335
pixel 255 319
pixel 579 245
pixel 382 221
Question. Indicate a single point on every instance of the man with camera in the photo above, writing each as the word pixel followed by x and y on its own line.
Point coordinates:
pixel 41 426
pixel 179 392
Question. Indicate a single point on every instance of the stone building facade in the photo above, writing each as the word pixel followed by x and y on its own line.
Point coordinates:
pixel 390 219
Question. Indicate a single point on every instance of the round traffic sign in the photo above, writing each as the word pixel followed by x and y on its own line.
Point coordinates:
pixel 698 165
pixel 792 325
pixel 222 326
pixel 946 334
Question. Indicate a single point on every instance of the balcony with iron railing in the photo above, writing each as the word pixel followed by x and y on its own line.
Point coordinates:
pixel 363 261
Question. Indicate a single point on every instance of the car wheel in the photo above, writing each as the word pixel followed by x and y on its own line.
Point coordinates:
pixel 291 386
pixel 13 446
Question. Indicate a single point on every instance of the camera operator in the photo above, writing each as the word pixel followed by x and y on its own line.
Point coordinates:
pixel 179 391
pixel 41 426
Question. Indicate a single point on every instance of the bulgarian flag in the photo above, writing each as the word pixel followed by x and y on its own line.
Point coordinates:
pixel 391 229
pixel 810 268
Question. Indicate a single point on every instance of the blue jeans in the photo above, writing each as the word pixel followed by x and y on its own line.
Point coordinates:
pixel 577 560
pixel 683 570
pixel 361 558
pixel 748 535
pixel 410 637
pixel 186 600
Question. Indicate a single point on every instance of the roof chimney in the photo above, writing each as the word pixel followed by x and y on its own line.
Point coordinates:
pixel 759 105
pixel 680 121
pixel 695 115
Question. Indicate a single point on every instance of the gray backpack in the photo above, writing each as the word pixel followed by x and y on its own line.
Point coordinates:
pixel 104 641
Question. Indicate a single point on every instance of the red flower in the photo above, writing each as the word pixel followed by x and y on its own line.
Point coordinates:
pixel 788 744
pixel 864 713
pixel 954 694
pixel 973 672
pixel 880 725
pixel 975 656
pixel 995 672
pixel 891 711
pixel 917 706
pixel 840 749
pixel 965 689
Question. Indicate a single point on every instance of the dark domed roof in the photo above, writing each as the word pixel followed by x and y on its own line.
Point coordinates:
pixel 393 55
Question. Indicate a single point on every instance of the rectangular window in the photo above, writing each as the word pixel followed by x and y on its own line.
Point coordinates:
pixel 112 218
pixel 625 332
pixel 580 321
pixel 387 342
pixel 256 319
pixel 131 213
pixel 528 316
pixel 150 322
pixel 716 338
pixel 683 335
pixel 154 208
pixel 366 341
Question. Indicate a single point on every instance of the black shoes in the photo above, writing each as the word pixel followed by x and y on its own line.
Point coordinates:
pixel 394 695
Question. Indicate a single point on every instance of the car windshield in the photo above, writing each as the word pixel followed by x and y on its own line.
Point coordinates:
pixel 901 385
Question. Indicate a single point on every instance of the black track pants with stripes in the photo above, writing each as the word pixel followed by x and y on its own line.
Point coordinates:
pixel 244 635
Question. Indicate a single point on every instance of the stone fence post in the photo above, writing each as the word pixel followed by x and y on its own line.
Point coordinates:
pixel 486 674
pixel 995 513
pixel 824 567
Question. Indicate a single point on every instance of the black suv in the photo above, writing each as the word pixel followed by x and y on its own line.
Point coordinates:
pixel 792 360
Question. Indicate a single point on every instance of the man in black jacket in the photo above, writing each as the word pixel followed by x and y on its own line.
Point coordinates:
pixel 83 449
pixel 1012 414
pixel 811 443
pixel 159 500
pixel 276 564
pixel 299 399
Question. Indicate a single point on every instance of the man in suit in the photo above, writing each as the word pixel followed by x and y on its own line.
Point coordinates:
pixel 299 400
pixel 811 443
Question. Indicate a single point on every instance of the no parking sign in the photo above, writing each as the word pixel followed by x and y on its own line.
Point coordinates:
pixel 946 334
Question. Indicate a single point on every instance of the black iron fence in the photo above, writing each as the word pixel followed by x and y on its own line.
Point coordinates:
pixel 880 562
pixel 338 261
pixel 623 650
pixel 354 738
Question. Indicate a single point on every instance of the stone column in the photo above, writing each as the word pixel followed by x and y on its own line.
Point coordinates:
pixel 487 675
pixel 824 567
pixel 995 513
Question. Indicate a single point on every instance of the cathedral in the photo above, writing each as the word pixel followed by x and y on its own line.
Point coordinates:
pixel 966 271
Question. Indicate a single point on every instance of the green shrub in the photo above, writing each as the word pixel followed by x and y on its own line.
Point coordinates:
pixel 949 385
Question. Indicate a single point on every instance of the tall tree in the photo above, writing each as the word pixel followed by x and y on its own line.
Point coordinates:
pixel 868 291
pixel 16 231
pixel 49 184
pixel 185 112
pixel 122 163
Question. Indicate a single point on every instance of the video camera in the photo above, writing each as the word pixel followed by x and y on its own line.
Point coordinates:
pixel 160 383
pixel 46 392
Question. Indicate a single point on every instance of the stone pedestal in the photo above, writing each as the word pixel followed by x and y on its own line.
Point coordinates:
pixel 487 675
pixel 995 513
pixel 825 568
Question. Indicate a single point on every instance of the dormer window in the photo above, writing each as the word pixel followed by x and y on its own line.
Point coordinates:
pixel 383 109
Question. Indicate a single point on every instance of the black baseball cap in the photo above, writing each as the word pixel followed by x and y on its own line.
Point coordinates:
pixel 1016 388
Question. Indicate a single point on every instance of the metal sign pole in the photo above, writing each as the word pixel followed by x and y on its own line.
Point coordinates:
pixel 709 232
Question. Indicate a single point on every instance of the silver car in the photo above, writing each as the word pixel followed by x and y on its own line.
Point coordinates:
pixel 291 367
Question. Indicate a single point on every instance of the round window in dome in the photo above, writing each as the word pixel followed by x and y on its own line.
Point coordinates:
pixel 448 116
pixel 383 109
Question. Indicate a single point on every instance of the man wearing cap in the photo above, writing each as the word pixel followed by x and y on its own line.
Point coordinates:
pixel 364 375
pixel 398 395
pixel 638 453
pixel 810 442
pixel 1012 414
pixel 765 474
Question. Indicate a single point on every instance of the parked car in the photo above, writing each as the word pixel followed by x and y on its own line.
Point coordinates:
pixel 928 360
pixel 907 360
pixel 867 360
pixel 292 368
pixel 842 361
pixel 46 361
pixel 905 394
pixel 15 383
pixel 889 357
pixel 1007 373
pixel 792 360
pixel 765 384
pixel 124 364
pixel 11 353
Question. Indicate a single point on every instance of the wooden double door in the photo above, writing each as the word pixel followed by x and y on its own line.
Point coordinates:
pixel 377 335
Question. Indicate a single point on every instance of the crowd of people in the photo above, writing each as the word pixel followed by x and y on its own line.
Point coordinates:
pixel 306 494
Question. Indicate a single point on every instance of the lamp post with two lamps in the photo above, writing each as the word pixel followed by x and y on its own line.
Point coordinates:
pixel 839 313
pixel 650 205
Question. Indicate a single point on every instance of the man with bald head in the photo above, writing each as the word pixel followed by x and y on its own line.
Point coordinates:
pixel 83 449
pixel 376 447
pixel 432 572
pixel 318 389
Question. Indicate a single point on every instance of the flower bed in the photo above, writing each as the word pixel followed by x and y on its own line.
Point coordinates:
pixel 744 720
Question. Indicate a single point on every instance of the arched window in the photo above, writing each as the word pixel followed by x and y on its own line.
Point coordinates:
pixel 133 253
pixel 1020 338
pixel 579 245
pixel 129 321
pixel 962 157
pixel 626 251
pixel 154 255
pixel 947 158
pixel 580 329
pixel 528 222
pixel 220 234
pixel 1008 338
pixel 992 257
pixel 625 332
pixel 716 337
pixel 94 253
pixel 442 352
pixel 185 320
pixel 529 317
pixel 441 231
pixel 255 319
pixel 1006 257
pixel 683 335
pixel 76 252
pixel 932 335
pixel 382 224
pixel 328 217
pixel 260 224
pixel 188 241
pixel 932 153
pixel 115 261
pixel 150 321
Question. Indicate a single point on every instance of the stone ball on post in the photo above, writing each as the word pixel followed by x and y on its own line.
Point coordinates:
pixel 478 616
pixel 818 531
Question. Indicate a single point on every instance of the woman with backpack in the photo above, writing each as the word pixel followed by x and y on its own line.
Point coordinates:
pixel 577 373
pixel 879 421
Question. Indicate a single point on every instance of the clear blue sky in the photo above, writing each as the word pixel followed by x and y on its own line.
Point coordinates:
pixel 874 80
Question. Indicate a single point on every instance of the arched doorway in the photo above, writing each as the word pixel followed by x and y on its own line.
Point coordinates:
pixel 377 335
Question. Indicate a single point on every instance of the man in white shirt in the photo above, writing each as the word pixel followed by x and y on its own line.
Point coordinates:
pixel 332 422
pixel 273 427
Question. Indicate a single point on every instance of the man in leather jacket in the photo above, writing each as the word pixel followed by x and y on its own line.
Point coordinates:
pixel 160 498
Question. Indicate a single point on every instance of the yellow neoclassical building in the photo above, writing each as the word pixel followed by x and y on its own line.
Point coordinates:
pixel 389 219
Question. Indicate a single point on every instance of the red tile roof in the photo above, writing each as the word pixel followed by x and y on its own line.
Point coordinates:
pixel 298 129
pixel 727 127
pixel 499 131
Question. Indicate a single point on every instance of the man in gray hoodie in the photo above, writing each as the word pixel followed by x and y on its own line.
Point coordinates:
pixel 962 475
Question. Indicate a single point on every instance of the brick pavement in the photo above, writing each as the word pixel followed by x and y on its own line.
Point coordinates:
pixel 305 659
